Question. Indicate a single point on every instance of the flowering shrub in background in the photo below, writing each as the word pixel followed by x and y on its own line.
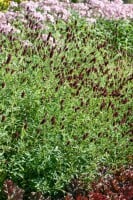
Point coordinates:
pixel 49 10
pixel 112 10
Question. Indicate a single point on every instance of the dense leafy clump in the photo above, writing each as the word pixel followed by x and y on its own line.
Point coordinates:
pixel 66 104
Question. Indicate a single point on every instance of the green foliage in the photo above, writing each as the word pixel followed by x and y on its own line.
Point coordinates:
pixel 4 4
pixel 74 1
pixel 128 1
pixel 118 33
pixel 65 110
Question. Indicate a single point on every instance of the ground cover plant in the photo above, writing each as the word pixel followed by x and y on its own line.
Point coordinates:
pixel 66 106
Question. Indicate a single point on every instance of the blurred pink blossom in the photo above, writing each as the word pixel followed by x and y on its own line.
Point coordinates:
pixel 51 2
pixel 6 28
pixel 38 16
pixel 3 19
pixel 26 43
pixel 13 5
pixel 50 18
pixel 50 10
pixel 30 5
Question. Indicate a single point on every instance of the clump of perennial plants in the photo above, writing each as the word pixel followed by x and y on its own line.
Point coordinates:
pixel 66 93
